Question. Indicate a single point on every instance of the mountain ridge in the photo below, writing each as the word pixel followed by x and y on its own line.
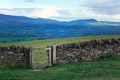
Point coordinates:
pixel 89 19
pixel 48 28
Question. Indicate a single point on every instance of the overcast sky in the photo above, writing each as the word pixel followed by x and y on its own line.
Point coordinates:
pixel 64 10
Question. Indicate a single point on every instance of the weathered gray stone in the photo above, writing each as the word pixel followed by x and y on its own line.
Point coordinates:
pixel 87 50
pixel 14 55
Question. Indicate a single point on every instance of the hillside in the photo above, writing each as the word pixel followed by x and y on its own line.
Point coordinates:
pixel 40 28
pixel 48 42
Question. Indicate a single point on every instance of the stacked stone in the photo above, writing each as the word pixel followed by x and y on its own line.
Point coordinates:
pixel 88 50
pixel 14 56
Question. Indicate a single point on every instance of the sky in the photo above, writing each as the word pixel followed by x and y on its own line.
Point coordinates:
pixel 63 10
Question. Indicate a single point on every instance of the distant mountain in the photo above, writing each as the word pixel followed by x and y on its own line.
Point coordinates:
pixel 84 21
pixel 47 28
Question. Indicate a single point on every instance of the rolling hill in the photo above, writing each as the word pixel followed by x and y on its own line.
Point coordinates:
pixel 40 28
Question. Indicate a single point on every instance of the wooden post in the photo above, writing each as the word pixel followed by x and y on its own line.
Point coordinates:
pixel 54 53
pixel 30 57
pixel 50 56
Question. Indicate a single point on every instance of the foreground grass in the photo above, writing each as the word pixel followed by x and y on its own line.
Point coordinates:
pixel 108 69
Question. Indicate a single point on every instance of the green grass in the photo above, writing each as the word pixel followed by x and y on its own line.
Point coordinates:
pixel 45 43
pixel 16 39
pixel 108 69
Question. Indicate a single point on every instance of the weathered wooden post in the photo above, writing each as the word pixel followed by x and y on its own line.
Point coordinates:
pixel 54 53
pixel 30 57
pixel 49 55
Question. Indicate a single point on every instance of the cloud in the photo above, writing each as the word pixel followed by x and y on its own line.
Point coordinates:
pixel 59 13
pixel 30 1
pixel 63 12
pixel 20 11
pixel 107 10
pixel 109 7
pixel 39 11
pixel 83 13
pixel 73 14
pixel 104 10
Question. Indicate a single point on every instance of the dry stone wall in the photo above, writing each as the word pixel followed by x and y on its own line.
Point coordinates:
pixel 88 50
pixel 15 56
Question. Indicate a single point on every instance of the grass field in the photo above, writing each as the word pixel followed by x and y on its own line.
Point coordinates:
pixel 16 39
pixel 107 69
pixel 45 43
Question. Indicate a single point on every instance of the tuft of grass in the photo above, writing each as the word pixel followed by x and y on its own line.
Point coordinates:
pixel 18 66
pixel 110 55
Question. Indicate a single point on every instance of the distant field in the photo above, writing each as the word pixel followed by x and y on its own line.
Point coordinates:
pixel 45 43
pixel 16 39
